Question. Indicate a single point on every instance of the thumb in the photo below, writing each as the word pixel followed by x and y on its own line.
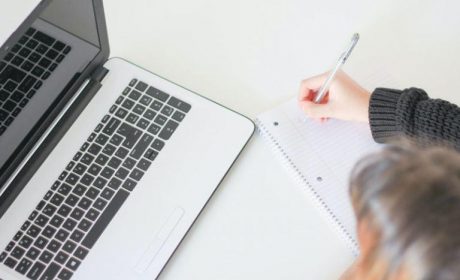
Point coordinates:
pixel 315 111
pixel 310 85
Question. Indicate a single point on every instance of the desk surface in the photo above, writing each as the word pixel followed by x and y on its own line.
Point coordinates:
pixel 250 56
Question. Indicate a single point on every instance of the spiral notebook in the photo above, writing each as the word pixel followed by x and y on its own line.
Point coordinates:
pixel 320 156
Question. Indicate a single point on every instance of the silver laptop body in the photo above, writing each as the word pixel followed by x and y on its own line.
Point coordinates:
pixel 104 166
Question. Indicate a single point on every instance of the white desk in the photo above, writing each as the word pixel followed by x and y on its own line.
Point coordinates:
pixel 250 55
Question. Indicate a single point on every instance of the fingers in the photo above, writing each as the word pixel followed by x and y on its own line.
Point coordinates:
pixel 315 111
pixel 310 86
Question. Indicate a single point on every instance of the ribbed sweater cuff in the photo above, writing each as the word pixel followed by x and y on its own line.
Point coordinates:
pixel 382 114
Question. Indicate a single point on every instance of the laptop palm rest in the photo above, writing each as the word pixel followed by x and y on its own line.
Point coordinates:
pixel 160 239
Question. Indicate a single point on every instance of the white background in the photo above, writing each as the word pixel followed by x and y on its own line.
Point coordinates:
pixel 250 55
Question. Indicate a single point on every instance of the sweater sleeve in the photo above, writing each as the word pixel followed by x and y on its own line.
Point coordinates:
pixel 412 113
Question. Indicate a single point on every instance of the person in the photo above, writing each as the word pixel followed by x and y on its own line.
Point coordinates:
pixel 390 113
pixel 406 197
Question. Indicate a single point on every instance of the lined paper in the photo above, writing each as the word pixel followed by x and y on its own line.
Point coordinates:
pixel 320 156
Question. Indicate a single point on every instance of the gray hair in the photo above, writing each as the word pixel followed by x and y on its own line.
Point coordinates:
pixel 411 196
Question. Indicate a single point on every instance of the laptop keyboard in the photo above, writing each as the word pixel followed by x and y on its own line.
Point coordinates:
pixel 24 69
pixel 68 221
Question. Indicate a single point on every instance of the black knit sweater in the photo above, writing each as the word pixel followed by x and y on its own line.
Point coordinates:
pixel 411 113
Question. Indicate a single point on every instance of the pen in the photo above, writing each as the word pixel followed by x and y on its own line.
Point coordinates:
pixel 325 87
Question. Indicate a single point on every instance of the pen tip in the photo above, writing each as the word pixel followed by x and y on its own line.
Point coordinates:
pixel 356 36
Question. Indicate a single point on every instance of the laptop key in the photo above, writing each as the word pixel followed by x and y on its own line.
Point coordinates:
pixel 23 266
pixel 25 242
pixel 158 144
pixel 10 246
pixel 151 154
pixel 114 184
pixel 135 95
pixel 51 271
pixel 102 159
pixel 111 126
pixel 92 215
pixel 141 86
pixel 64 210
pixel 141 146
pixel 114 162
pixel 73 264
pixel 145 100
pixel 41 220
pixel 56 221
pixel 49 210
pixel 132 82
pixel 69 224
pixel 52 54
pixel 10 262
pixel 17 252
pixel 129 184
pixel 46 256
pixel 67 50
pixel 77 235
pixel 136 174
pixel 158 94
pixel 36 271
pixel 12 73
pixel 61 258
pixel 100 182
pixel 132 118
pixel 87 179
pixel 160 120
pixel 42 37
pixel 167 111
pixel 71 200
pixel 33 253
pixel 105 218
pixel 80 253
pixel 156 105
pixel 69 247
pixel 84 203
pixel 144 164
pixel 179 104
pixel 17 236
pixel 54 246
pixel 122 152
pixel 33 231
pixel 168 130
pixel 129 163
pixel 65 274
pixel 3 115
pixel 84 225
pixel 41 242
pixel 121 113
pixel 49 232
pixel 107 193
pixel 149 114
pixel 128 104
pixel 77 214
pixel 62 235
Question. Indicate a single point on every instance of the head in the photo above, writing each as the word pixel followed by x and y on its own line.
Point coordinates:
pixel 407 203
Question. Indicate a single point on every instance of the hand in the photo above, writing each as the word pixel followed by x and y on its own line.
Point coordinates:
pixel 345 99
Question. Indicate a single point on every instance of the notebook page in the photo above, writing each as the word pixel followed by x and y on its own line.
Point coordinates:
pixel 320 156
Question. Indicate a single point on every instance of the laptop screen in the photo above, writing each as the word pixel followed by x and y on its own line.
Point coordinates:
pixel 38 68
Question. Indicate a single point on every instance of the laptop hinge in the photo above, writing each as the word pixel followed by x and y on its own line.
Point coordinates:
pixel 99 74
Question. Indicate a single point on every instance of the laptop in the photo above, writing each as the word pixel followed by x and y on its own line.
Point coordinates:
pixel 104 166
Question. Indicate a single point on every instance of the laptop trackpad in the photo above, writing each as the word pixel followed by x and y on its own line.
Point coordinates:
pixel 158 241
